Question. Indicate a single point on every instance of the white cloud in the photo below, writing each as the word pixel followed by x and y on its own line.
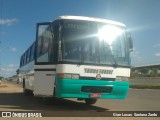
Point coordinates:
pixel 157 54
pixel 8 21
pixel 13 49
pixel 11 65
pixel 8 70
pixel 157 45
pixel 135 54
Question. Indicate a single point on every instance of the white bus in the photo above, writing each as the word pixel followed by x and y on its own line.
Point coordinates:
pixel 78 57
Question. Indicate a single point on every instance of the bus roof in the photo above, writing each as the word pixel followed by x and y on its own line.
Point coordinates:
pixel 91 19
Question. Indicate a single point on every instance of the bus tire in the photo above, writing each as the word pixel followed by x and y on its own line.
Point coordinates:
pixel 27 92
pixel 90 101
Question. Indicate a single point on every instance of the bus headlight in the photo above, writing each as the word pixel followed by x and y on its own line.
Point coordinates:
pixel 68 76
pixel 74 76
pixel 122 78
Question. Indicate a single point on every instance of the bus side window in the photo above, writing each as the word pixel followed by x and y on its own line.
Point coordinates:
pixel 24 59
pixel 32 52
pixel 42 43
pixel 21 61
pixel 28 55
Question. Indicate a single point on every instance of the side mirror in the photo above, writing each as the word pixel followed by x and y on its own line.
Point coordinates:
pixel 130 41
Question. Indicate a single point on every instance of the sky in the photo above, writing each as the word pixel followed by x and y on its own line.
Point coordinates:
pixel 18 20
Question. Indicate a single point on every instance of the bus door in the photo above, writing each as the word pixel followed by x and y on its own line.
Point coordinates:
pixel 45 69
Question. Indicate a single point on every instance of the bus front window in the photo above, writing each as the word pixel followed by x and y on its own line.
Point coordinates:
pixel 93 43
pixel 79 41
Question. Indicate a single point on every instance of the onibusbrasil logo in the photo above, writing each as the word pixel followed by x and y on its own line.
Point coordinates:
pixel 21 114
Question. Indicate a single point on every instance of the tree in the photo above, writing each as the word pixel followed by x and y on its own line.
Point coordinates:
pixel 1 77
pixel 144 70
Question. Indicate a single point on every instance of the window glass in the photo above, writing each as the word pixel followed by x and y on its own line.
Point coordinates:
pixel 21 61
pixel 46 44
pixel 44 37
pixel 32 51
pixel 28 55
pixel 24 59
pixel 39 44
pixel 91 42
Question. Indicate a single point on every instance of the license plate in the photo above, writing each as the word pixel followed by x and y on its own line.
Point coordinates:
pixel 95 95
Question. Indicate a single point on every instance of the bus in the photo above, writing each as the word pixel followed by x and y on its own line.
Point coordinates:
pixel 78 57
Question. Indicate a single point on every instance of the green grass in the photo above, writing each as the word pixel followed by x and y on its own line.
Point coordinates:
pixel 145 86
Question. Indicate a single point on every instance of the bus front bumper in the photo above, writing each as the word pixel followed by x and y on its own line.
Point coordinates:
pixel 73 88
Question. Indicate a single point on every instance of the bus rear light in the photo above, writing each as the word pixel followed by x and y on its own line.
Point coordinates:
pixel 68 76
pixel 122 78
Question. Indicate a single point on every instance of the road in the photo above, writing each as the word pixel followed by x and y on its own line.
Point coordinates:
pixel 145 81
pixel 12 99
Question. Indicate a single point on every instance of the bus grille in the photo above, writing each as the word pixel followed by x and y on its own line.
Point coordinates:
pixel 96 89
pixel 98 71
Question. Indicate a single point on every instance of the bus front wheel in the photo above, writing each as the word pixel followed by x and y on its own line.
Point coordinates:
pixel 27 92
pixel 90 101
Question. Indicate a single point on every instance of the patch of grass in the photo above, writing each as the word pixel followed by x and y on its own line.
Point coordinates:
pixel 3 85
pixel 145 86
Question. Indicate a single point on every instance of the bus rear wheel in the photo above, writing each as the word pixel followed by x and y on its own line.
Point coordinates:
pixel 90 101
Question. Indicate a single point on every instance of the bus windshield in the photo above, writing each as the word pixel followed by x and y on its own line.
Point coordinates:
pixel 93 43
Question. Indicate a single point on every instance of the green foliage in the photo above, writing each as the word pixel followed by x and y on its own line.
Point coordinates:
pixel 1 77
pixel 144 70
